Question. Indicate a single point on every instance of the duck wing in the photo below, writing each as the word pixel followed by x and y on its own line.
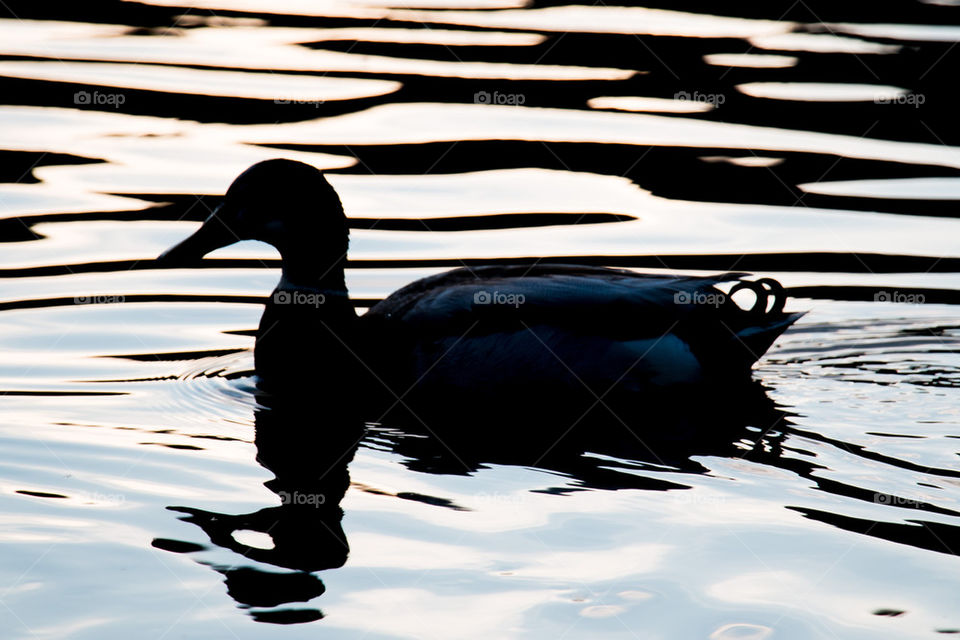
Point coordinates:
pixel 592 316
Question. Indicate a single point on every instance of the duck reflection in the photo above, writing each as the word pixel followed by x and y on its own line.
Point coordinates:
pixel 307 447
pixel 598 450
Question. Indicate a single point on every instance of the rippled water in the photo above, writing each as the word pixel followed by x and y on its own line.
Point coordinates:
pixel 142 484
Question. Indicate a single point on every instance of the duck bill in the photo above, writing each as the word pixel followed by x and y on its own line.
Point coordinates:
pixel 213 234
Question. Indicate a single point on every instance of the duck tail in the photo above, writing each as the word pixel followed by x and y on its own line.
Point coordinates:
pixel 755 339
pixel 762 325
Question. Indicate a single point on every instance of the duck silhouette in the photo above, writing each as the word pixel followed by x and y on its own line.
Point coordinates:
pixel 541 339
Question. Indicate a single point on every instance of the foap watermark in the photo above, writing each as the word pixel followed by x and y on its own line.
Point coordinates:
pixel 899 297
pixel 509 499
pixel 299 498
pixel 896 501
pixel 299 297
pixel 699 297
pixel 98 98
pixel 315 103
pixel 699 498
pixel 485 97
pixel 716 99
pixel 912 99
pixel 101 498
pixel 98 299
pixel 498 297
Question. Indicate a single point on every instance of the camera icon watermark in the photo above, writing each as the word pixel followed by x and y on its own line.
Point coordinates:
pixel 912 99
pixel 485 97
pixel 315 103
pixel 97 98
pixel 514 500
pixel 101 498
pixel 700 498
pixel 98 299
pixel 899 297
pixel 497 297
pixel 699 297
pixel 297 498
pixel 715 99
pixel 895 501
pixel 299 297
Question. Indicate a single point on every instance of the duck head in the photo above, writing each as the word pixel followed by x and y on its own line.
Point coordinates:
pixel 287 204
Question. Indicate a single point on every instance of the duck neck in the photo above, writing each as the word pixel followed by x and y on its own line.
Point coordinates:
pixel 310 290
pixel 303 271
pixel 308 322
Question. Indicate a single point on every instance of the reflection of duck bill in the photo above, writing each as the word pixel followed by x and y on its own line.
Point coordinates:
pixel 303 539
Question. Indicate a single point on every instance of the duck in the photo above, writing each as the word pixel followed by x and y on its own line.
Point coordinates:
pixel 495 340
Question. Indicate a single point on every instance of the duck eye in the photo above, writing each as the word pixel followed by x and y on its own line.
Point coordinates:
pixel 243 220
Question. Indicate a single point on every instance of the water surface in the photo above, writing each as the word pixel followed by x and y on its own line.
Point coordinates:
pixel 145 492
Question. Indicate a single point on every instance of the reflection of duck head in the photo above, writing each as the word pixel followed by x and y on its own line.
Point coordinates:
pixel 307 447
pixel 537 337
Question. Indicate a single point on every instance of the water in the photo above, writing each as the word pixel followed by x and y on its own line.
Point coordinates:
pixel 814 143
